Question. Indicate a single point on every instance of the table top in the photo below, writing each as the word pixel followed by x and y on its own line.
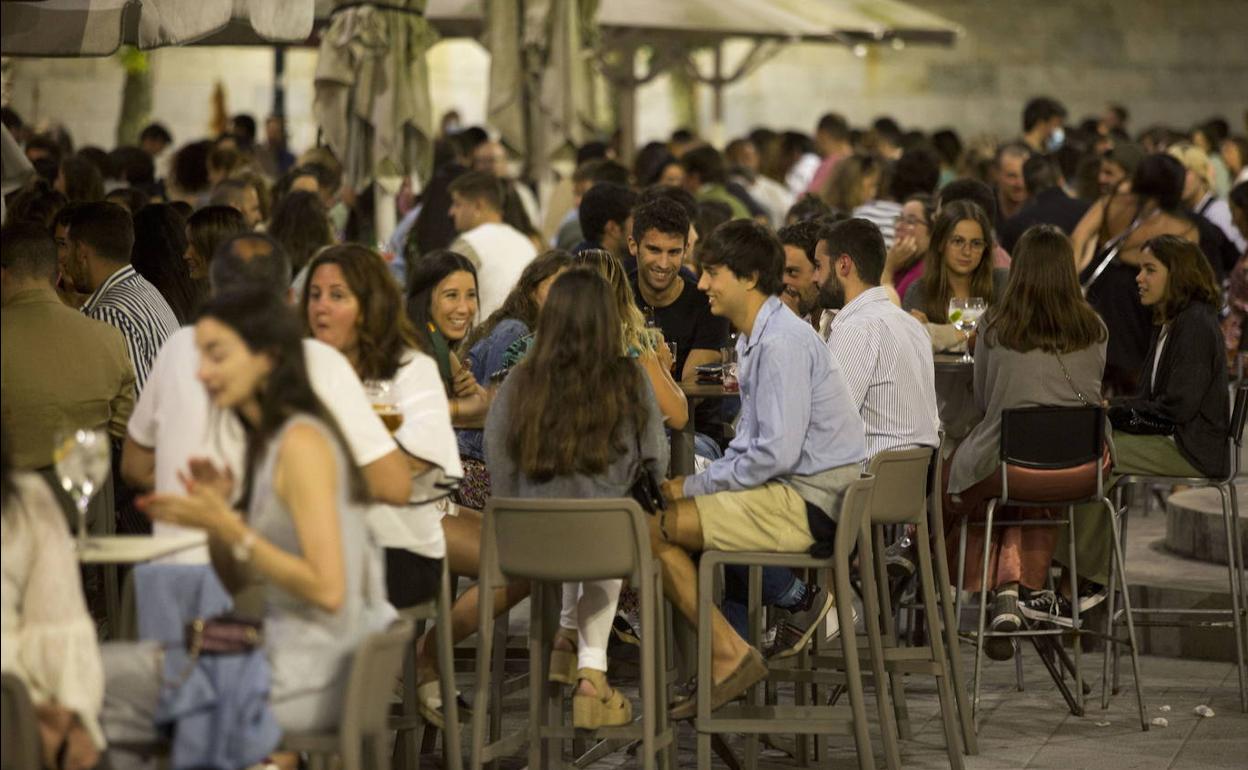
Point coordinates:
pixel 136 549
pixel 710 390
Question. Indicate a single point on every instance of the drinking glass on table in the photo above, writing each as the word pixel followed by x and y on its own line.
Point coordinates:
pixel 83 462
pixel 381 395
pixel 964 314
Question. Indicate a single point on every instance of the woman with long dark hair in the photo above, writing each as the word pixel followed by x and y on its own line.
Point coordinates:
pixel 159 255
pixel 1041 344
pixel 301 224
pixel 545 438
pixel 300 534
pixel 207 229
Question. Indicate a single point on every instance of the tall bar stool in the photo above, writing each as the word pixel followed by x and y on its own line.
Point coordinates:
pixel 1050 457
pixel 1234 556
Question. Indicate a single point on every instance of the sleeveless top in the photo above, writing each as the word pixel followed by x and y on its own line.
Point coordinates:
pixel 310 650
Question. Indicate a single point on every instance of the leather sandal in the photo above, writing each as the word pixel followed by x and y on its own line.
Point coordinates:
pixel 429 704
pixel 606 709
pixel 749 672
pixel 563 662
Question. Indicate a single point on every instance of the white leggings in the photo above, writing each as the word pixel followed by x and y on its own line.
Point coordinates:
pixel 589 607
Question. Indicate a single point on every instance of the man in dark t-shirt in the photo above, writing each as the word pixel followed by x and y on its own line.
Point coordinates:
pixel 658 241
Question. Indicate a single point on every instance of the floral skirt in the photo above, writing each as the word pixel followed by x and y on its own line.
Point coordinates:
pixel 474 488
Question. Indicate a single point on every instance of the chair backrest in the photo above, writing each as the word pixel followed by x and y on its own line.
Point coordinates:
pixel 853 516
pixel 377 663
pixel 19 728
pixel 901 478
pixel 1052 437
pixel 566 540
pixel 1238 412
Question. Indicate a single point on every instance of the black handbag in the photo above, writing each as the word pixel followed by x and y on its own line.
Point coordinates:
pixel 645 490
pixel 1128 419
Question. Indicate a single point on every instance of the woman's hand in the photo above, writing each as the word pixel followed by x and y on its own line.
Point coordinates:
pixel 80 750
pixel 204 509
pixel 464 384
pixel 664 354
pixel 901 256
pixel 202 472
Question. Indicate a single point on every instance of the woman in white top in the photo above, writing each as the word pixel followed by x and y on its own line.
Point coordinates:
pixel 47 639
pixel 352 303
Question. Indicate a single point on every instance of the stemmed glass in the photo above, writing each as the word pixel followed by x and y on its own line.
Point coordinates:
pixel 964 313
pixel 381 395
pixel 83 463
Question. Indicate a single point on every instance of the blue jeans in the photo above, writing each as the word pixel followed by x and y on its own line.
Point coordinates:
pixel 781 588
pixel 705 446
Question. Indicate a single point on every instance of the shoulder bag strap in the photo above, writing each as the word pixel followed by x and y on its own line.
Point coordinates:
pixel 1078 394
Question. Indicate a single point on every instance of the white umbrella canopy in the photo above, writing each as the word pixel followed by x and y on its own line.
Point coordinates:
pixel 866 21
pixel 372 91
pixel 100 27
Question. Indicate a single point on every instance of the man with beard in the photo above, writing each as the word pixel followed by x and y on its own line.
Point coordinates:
pixel 658 242
pixel 800 293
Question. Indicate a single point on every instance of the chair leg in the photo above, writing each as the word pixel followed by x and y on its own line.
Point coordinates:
pixel 957 589
pixel 1229 509
pixel 969 741
pixel 1124 522
pixel 853 674
pixel 1116 578
pixel 1126 606
pixel 706 597
pixel 948 704
pixel 481 704
pixel 983 606
pixel 452 746
pixel 871 616
pixel 1076 641
pixel 1018 665
pixel 888 631
pixel 537 674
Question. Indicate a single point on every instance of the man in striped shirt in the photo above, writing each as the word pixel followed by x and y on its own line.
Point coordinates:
pixel 100 237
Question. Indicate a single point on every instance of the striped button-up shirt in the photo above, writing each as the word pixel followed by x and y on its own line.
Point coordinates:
pixel 129 302
pixel 886 358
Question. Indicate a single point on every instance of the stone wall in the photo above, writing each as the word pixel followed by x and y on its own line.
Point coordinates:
pixel 1171 61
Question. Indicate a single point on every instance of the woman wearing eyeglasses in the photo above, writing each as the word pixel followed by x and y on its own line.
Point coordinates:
pixel 913 236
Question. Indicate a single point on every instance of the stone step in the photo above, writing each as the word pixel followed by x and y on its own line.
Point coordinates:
pixel 1195 527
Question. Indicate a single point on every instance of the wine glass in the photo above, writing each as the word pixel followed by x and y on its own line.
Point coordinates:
pixel 83 462
pixel 381 395
pixel 964 313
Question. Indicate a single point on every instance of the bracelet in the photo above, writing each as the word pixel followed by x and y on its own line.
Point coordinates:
pixel 454 408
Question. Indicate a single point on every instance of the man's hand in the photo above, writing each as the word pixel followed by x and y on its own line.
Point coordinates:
pixel 673 489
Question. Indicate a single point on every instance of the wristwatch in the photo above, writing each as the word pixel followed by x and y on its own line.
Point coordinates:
pixel 241 551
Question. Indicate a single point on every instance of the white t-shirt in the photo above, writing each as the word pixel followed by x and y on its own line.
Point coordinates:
pixel 503 253
pixel 175 417
pixel 426 433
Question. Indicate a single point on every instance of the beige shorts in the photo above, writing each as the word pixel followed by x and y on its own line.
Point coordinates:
pixel 770 518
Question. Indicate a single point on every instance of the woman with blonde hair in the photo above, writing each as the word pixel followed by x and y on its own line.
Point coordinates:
pixel 855 181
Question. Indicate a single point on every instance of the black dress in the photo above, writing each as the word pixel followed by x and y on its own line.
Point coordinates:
pixel 1116 298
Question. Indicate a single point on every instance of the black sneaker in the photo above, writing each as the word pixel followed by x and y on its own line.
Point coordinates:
pixel 1091 594
pixel 1006 618
pixel 899 558
pixel 795 631
pixel 1048 607
pixel 627 627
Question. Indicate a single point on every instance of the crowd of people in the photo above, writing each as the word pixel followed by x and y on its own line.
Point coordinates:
pixel 334 412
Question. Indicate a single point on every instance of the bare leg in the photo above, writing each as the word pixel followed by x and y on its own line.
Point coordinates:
pixel 680 581
pixel 463 553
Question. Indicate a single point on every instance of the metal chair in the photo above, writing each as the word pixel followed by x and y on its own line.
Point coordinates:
pixel 550 542
pixel 406 721
pixel 1234 557
pixel 366 707
pixel 1050 457
pixel 19 726
pixel 755 718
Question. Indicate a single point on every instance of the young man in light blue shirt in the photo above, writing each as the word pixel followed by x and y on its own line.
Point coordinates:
pixel 799 444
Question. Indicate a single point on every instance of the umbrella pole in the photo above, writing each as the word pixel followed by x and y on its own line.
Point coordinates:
pixel 627 97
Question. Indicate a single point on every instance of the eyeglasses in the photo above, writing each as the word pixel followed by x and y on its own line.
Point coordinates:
pixel 910 221
pixel 960 243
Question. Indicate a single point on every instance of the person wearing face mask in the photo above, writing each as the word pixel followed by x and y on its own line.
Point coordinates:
pixel 1043 118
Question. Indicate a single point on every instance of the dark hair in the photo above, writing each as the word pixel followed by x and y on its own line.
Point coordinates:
pixel 948 145
pixel 1191 278
pixel 886 128
pixel 129 198
pixel 45 143
pixel 267 325
pixel 83 181
pixel 936 278
pixel 605 202
pixel 1238 197
pixel 833 125
pixel 209 227
pixel 326 171
pixel 97 157
pixel 601 170
pixel 383 331
pixel 422 279
pixel 711 214
pixel 1042 306
pixel 37 203
pixel 132 166
pixel 1040 173
pixel 301 225
pixel 105 227
pixel 230 192
pixel 480 186
pixel 1120 112
pixel 159 255
pixel 1040 109
pixel 916 171
pixel 591 150
pixel 661 214
pixel 802 234
pixel 862 241
pixel 243 126
pixel 27 250
pixel 678 195
pixel 1160 177
pixel 156 132
pixel 520 304
pixel 808 206
pixel 706 162
pixel 650 161
pixel 225 159
pixel 747 249
pixel 250 260
pixel 514 212
pixel 190 166
pixel 972 191
pixel 554 430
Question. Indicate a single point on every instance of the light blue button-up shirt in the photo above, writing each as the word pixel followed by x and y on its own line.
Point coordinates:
pixel 797 417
